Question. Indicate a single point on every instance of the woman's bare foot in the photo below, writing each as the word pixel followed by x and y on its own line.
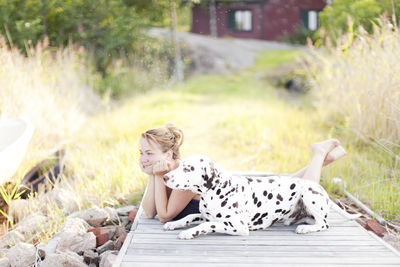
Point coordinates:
pixel 335 154
pixel 324 147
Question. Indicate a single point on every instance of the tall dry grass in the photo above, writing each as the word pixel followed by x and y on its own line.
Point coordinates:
pixel 50 88
pixel 357 84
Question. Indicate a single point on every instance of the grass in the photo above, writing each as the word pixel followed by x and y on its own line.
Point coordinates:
pixel 240 120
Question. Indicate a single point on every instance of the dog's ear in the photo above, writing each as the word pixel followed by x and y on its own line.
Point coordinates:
pixel 211 175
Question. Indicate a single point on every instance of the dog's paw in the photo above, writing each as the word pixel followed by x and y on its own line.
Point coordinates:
pixel 305 229
pixel 187 234
pixel 169 226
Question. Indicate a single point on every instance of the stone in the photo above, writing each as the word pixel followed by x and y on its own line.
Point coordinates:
pixel 109 245
pixel 132 215
pixel 76 241
pixel 124 211
pixel 90 256
pixel 64 199
pixel 32 223
pixel 375 227
pixel 62 259
pixel 3 252
pixel 76 225
pixel 103 234
pixel 19 209
pixel 5 262
pixel 51 246
pixel 112 215
pixel 11 238
pixel 94 216
pixel 41 250
pixel 22 254
pixel 124 220
pixel 108 258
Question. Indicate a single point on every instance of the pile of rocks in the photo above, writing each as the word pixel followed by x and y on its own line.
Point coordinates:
pixel 88 238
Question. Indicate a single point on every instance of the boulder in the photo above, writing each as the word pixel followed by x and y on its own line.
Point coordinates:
pixel 64 199
pixel 90 256
pixel 94 216
pixel 112 215
pixel 124 211
pixel 108 258
pixel 76 225
pixel 76 241
pixel 32 223
pixel 109 245
pixel 63 259
pixel 11 238
pixel 5 262
pixel 22 254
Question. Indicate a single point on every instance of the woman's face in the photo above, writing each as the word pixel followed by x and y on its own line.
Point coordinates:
pixel 150 153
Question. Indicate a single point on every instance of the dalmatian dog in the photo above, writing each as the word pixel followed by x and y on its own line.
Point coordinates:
pixel 235 206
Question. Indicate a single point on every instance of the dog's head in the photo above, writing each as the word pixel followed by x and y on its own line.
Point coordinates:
pixel 197 173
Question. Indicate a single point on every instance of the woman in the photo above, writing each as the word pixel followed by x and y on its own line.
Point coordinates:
pixel 159 154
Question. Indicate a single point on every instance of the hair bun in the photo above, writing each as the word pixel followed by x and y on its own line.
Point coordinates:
pixel 177 133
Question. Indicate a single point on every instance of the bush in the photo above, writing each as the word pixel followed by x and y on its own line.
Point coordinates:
pixel 357 85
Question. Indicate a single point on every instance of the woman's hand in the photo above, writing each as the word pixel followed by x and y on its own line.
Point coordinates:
pixel 161 167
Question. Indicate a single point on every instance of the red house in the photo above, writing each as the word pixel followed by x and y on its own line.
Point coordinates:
pixel 257 19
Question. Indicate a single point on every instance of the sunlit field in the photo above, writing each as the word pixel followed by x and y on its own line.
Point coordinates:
pixel 239 120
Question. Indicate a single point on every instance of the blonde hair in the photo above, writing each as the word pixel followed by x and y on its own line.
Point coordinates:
pixel 167 137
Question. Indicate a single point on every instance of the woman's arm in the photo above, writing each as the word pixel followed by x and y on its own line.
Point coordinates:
pixel 169 208
pixel 148 202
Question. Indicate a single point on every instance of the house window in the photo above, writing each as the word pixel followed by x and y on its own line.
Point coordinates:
pixel 309 19
pixel 240 20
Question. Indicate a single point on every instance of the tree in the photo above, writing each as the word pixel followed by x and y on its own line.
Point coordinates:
pixel 365 13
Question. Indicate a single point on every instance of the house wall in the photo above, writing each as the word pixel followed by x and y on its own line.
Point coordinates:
pixel 271 18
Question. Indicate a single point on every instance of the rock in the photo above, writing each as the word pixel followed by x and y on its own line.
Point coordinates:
pixel 375 227
pixel 103 234
pixel 109 245
pixel 3 252
pixel 76 225
pixel 132 215
pixel 124 211
pixel 124 220
pixel 62 259
pixel 5 262
pixel 108 258
pixel 11 238
pixel 112 215
pixel 19 208
pixel 64 199
pixel 32 224
pixel 76 241
pixel 94 216
pixel 51 246
pixel 22 254
pixel 90 256
pixel 41 250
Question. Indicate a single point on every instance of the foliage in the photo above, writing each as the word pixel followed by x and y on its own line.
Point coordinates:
pixel 356 85
pixel 365 13
pixel 109 28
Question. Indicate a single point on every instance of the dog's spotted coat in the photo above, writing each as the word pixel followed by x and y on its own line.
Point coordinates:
pixel 236 205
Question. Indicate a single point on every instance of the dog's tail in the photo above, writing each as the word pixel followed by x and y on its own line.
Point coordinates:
pixel 343 212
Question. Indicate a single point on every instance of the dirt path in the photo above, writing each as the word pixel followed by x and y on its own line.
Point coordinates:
pixel 220 55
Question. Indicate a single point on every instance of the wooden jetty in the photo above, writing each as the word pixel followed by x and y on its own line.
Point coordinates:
pixel 346 243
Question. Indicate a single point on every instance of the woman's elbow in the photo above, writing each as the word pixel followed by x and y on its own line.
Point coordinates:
pixel 164 219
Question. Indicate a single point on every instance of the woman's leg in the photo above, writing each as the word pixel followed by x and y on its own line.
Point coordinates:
pixel 320 158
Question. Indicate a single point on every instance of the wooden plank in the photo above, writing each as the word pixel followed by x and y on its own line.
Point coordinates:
pixel 264 248
pixel 177 264
pixel 266 260
pixel 255 253
pixel 346 243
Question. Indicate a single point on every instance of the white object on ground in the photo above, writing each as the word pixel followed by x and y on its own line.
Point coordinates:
pixel 15 135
